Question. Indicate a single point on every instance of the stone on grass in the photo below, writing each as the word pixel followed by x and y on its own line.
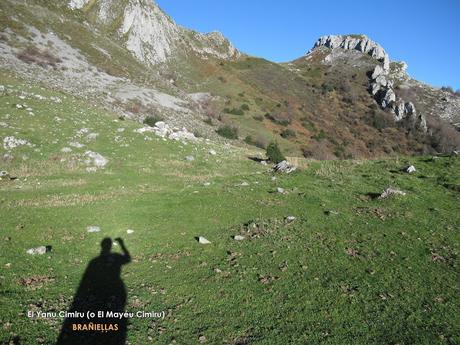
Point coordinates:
pixel 129 231
pixel 389 192
pixel 238 238
pixel 39 250
pixel 212 152
pixel 409 169
pixel 284 167
pixel 280 190
pixel 190 158
pixel 290 219
pixel 92 229
pixel 203 240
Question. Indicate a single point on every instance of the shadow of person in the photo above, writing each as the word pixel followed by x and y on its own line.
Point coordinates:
pixel 101 290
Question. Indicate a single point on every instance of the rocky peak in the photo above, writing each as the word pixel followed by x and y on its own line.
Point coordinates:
pixel 151 35
pixel 360 43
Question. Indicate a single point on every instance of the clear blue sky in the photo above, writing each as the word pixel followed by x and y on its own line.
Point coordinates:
pixel 424 33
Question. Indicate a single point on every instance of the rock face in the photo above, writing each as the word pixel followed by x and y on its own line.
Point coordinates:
pixel 360 43
pixel 383 92
pixel 149 34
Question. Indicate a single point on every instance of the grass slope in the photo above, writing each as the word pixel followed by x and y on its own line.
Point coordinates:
pixel 370 272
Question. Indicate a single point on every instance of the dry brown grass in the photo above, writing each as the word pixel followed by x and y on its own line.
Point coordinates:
pixel 43 58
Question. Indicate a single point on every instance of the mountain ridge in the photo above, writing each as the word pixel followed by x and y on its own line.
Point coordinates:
pixel 345 98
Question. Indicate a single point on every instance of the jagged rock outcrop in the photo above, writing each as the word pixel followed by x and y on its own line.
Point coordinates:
pixel 383 92
pixel 360 43
pixel 149 34
pixel 382 78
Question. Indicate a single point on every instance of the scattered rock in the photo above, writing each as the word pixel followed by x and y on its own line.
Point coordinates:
pixel 129 231
pixel 4 175
pixel 39 250
pixel 12 142
pixel 280 190
pixel 238 238
pixel 409 169
pixel 244 184
pixel 92 229
pixel 66 150
pixel 284 167
pixel 96 159
pixel 290 219
pixel 190 158
pixel 331 213
pixel 203 240
pixel 76 144
pixel 389 192
pixel 212 152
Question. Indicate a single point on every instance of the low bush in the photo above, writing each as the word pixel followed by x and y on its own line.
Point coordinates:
pixel 151 120
pixel 274 153
pixel 229 132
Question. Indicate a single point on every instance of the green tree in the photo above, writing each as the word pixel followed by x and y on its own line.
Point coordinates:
pixel 274 153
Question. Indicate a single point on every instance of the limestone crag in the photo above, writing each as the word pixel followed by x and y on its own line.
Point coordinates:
pixel 360 43
pixel 151 35
pixel 383 92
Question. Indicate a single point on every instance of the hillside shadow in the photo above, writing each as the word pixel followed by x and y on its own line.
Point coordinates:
pixel 256 159
pixel 101 289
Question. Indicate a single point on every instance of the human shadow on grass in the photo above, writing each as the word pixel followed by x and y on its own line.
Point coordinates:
pixel 101 290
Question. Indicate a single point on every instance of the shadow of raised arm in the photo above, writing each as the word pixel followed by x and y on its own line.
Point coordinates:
pixel 125 251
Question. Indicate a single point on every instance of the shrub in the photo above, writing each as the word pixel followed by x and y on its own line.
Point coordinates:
pixel 258 143
pixel 320 136
pixel 151 120
pixel 229 132
pixel 258 118
pixel 244 107
pixel 274 153
pixel 288 133
pixel 234 111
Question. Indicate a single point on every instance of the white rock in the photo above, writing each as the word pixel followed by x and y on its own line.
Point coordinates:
pixel 203 240
pixel 96 159
pixel 190 158
pixel 238 238
pixel 129 231
pixel 212 152
pixel 410 169
pixel 39 250
pixel 93 228
pixel 12 142
pixel 391 192
pixel 280 190
pixel 290 218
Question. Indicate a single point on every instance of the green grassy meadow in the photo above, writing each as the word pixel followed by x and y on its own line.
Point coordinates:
pixel 350 269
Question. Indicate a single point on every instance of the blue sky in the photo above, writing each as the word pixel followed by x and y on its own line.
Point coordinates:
pixel 424 33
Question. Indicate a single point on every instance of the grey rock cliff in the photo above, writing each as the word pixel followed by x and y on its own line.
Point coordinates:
pixel 360 43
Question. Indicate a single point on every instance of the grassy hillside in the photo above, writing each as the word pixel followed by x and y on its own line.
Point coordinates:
pixel 350 269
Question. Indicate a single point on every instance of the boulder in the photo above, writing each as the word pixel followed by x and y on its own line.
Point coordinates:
pixel 203 240
pixel 390 192
pixel 39 250
pixel 409 169
pixel 92 229
pixel 284 167
pixel 238 238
